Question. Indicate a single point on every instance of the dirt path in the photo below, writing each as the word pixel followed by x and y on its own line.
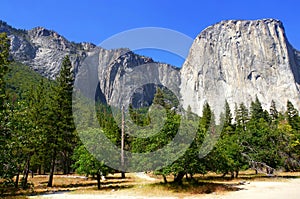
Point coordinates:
pixel 258 190
pixel 142 175
pixel 263 190
pixel 95 196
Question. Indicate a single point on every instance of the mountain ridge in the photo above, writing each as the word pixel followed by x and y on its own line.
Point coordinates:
pixel 236 60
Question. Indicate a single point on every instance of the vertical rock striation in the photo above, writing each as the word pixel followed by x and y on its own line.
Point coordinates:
pixel 238 60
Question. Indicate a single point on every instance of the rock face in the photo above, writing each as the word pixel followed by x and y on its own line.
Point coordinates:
pixel 124 77
pixel 239 60
pixel 234 60
pixel 43 50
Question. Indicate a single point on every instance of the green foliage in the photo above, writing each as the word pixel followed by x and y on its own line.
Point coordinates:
pixel 139 116
pixel 61 140
pixel 293 116
pixel 6 169
pixel 4 62
pixel 108 124
pixel 86 163
pixel 241 116
pixel 190 163
pixel 274 114
pixel 19 128
pixel 21 79
pixel 228 117
pixel 159 98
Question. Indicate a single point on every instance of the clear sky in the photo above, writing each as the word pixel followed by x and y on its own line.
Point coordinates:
pixel 96 20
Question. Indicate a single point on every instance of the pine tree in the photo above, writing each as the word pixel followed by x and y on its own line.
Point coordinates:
pixel 293 116
pixel 228 116
pixel 4 55
pixel 4 62
pixel 257 111
pixel 242 116
pixel 62 138
pixel 273 111
pixel 206 118
pixel 4 108
pixel 159 98
pixel 38 109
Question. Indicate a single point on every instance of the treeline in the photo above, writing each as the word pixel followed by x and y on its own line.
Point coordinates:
pixel 248 138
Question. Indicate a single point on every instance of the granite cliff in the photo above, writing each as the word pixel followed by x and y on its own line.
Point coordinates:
pixel 238 60
pixel 43 50
pixel 235 60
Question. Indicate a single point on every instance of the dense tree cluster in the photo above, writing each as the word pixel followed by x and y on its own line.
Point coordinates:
pixel 37 128
pixel 249 138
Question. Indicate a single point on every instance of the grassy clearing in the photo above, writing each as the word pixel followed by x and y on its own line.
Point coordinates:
pixel 136 186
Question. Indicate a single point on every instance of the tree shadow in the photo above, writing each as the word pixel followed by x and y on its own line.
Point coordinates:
pixel 198 187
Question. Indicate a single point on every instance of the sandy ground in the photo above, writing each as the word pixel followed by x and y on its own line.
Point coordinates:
pixel 289 189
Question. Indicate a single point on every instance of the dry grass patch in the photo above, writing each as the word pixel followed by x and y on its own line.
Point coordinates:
pixel 66 183
pixel 137 186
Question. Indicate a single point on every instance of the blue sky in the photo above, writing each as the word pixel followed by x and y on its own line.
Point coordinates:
pixel 96 20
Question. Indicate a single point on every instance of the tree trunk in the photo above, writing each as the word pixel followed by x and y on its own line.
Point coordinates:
pixel 98 180
pixel 236 173
pixel 165 179
pixel 187 177
pixel 40 170
pixel 192 177
pixel 122 174
pixel 26 171
pixel 179 177
pixel 66 163
pixel 224 174
pixel 17 180
pixel 50 181
pixel 232 174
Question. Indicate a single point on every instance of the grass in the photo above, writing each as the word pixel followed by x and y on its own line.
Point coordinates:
pixel 136 186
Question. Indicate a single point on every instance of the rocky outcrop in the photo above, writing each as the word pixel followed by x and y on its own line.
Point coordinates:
pixel 43 50
pixel 297 57
pixel 238 60
pixel 124 77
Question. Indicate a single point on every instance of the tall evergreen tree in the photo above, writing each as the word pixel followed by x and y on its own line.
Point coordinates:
pixel 293 116
pixel 273 111
pixel 159 98
pixel 4 131
pixel 256 110
pixel 62 139
pixel 227 117
pixel 206 118
pixel 4 62
pixel 242 116
pixel 38 110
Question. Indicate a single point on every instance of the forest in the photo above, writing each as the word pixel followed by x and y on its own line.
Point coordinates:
pixel 38 134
